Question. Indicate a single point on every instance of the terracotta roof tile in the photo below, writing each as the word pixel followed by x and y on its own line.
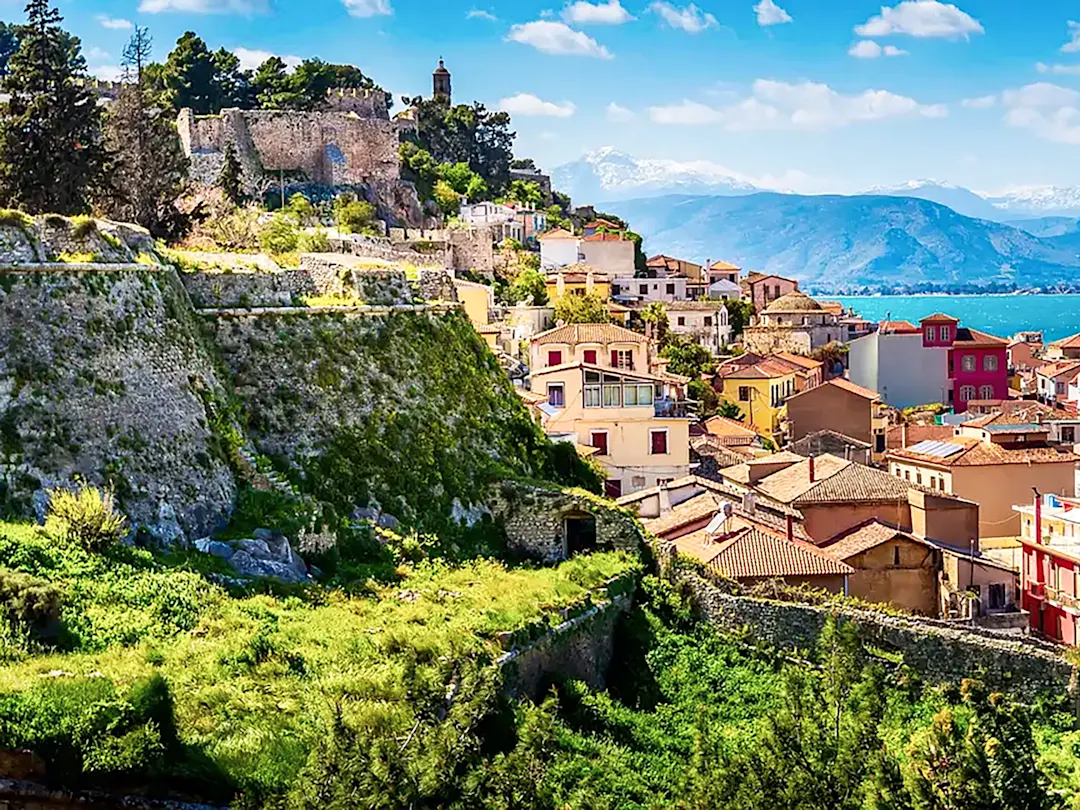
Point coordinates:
pixel 899 327
pixel 808 363
pixel 973 337
pixel 1070 342
pixel 697 508
pixel 836 480
pixel 556 233
pixel 605 237
pixel 711 447
pixel 574 333
pixel 938 317
pixel 726 428
pixel 977 453
pixel 1062 368
pixel 863 538
pixel 894 436
pixel 721 265
pixel 759 554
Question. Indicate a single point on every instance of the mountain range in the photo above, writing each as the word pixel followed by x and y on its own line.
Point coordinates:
pixel 605 175
pixel 857 243
pixel 918 236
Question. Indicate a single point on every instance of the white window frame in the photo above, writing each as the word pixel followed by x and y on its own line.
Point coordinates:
pixel 967 363
pixel 990 362
pixel 667 441
pixel 931 333
pixel 561 388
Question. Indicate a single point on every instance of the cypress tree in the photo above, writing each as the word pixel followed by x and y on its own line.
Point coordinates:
pixel 150 166
pixel 230 181
pixel 52 152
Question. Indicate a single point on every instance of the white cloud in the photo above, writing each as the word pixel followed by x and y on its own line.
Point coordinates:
pixel 251 58
pixel 691 19
pixel 480 14
pixel 979 103
pixel 109 73
pixel 921 18
pixel 768 13
pixel 802 106
pixel 557 38
pixel 617 114
pixel 1058 70
pixel 114 23
pixel 585 13
pixel 1049 111
pixel 528 104
pixel 96 54
pixel 868 49
pixel 1073 45
pixel 368 8
pixel 202 6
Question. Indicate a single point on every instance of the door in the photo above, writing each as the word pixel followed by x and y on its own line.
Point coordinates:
pixel 580 535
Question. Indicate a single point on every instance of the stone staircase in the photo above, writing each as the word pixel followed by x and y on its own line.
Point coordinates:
pixel 272 481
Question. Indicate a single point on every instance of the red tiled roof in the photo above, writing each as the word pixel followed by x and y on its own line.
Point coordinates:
pixel 894 436
pixel 899 327
pixel 843 385
pixel 573 333
pixel 605 237
pixel 755 553
pixel 730 430
pixel 939 317
pixel 807 363
pixel 1061 368
pixel 1070 342
pixel 977 453
pixel 864 537
pixel 973 337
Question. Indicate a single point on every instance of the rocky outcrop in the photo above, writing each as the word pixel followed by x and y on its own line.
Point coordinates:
pixel 267 555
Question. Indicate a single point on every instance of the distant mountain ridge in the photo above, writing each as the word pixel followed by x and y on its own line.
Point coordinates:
pixel 607 175
pixel 854 243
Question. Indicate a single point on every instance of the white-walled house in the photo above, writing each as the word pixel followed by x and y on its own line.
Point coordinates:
pixel 502 219
pixel 649 289
pixel 894 362
pixel 610 253
pixel 705 322
pixel 559 248
pixel 725 290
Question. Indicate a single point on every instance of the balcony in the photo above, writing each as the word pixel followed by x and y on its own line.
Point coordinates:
pixel 674 409
pixel 1037 590
pixel 1060 597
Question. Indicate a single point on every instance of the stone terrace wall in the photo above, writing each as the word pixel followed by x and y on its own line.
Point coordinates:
pixel 103 375
pixel 933 649
pixel 579 649
pixel 535 520
pixel 226 290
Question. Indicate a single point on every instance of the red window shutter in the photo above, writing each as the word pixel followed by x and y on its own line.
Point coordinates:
pixel 590 356
pixel 554 358
pixel 599 441
pixel 614 359
pixel 659 443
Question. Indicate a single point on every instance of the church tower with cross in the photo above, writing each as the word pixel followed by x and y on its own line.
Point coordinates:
pixel 441 82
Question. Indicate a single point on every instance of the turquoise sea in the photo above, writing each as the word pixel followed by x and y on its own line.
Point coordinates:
pixel 1003 315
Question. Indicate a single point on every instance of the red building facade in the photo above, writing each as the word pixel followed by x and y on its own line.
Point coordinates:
pixel 977 362
pixel 1049 586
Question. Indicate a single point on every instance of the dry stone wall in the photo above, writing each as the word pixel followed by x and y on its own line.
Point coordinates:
pixel 103 376
pixel 935 650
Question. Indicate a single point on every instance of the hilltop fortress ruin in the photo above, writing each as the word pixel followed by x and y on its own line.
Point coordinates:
pixel 351 142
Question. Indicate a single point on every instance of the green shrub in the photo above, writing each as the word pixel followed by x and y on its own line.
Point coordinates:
pixel 280 235
pixel 82 226
pixel 28 599
pixel 11 218
pixel 313 242
pixel 86 516
pixel 352 215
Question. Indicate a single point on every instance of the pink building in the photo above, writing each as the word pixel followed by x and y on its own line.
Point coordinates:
pixel 978 362
pixel 762 289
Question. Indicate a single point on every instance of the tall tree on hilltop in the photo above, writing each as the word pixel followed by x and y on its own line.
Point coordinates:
pixel 231 84
pixel 271 84
pixel 230 180
pixel 149 164
pixel 189 75
pixel 52 153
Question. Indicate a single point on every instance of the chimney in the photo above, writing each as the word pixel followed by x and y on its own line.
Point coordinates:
pixel 903 435
pixel 1038 515
pixel 812 479
pixel 790 528
pixel 665 500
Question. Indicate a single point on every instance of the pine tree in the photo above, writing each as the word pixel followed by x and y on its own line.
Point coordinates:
pixel 52 150
pixel 150 166
pixel 189 76
pixel 230 180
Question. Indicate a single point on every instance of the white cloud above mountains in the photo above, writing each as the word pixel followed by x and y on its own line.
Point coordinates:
pixel 777 105
pixel 528 104
pixel 1049 111
pixel 690 19
pixel 921 18
pixel 607 13
pixel 557 38
pixel 617 114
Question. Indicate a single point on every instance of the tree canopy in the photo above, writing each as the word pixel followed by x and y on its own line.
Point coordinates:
pixel 589 308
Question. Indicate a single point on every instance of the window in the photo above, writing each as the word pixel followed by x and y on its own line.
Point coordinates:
pixel 622 358
pixel 776 291
pixel 967 392
pixel 907 475
pixel 643 289
pixel 967 363
pixel 670 289
pixel 944 332
pixel 598 439
pixel 986 392
pixel 744 393
pixel 638 481
pixel 1061 388
pixel 990 362
pixel 612 396
pixel 933 483
pixel 931 333
pixel 590 356
pixel 555 395
pixel 681 321
pixel 941 484
pixel 658 442
pixel 1068 435
pixel 896 555
pixel 708 320
pixel 918 476
pixel 592 396
pixel 554 358
pixel 997 596
pixel 613 487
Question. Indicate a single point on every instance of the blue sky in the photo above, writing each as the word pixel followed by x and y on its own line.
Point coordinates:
pixel 811 95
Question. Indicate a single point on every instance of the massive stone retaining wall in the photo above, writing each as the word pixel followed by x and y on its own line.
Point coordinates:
pixel 103 376
pixel 934 650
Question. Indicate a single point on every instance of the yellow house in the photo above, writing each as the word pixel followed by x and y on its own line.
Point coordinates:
pixel 636 421
pixel 477 300
pixel 578 279
pixel 597 344
pixel 760 391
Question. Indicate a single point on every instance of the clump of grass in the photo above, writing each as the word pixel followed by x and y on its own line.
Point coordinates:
pixel 112 240
pixel 83 226
pixel 331 301
pixel 142 257
pixel 86 515
pixel 77 258
pixel 11 218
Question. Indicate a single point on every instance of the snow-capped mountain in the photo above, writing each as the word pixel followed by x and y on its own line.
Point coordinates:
pixel 1038 201
pixel 961 200
pixel 607 174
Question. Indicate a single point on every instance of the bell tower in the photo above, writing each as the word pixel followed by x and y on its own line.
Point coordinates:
pixel 440 81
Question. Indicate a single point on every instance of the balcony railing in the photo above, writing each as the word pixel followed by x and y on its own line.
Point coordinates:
pixel 1060 596
pixel 1037 590
pixel 676 409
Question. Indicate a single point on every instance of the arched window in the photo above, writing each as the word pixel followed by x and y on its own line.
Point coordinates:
pixel 990 362
pixel 986 392
pixel 967 392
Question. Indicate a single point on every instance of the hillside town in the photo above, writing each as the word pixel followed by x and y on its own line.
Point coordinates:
pixel 346 461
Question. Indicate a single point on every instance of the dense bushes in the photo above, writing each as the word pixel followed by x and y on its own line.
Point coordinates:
pixel 87 516
pixel 29 600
